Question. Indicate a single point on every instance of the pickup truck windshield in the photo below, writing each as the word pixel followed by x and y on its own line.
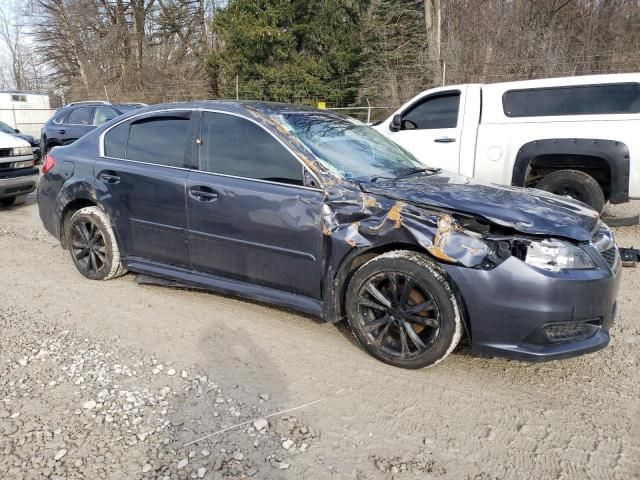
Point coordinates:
pixel 348 148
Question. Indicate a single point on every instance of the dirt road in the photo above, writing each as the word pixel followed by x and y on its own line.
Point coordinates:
pixel 110 380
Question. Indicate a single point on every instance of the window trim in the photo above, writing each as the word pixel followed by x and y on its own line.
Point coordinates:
pixel 169 110
pixel 556 87
pixel 420 101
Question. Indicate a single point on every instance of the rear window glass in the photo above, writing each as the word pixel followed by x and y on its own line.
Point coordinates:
pixel 574 100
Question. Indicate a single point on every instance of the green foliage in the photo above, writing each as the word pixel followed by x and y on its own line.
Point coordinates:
pixel 289 50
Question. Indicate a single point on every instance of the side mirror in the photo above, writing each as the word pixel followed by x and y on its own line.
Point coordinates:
pixel 396 123
pixel 16 130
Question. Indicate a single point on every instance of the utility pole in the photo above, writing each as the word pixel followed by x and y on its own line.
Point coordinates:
pixel 433 25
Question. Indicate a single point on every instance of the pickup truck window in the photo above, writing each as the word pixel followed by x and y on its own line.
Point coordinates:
pixel 435 111
pixel 573 100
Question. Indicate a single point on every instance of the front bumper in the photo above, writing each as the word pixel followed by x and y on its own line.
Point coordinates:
pixel 510 307
pixel 13 185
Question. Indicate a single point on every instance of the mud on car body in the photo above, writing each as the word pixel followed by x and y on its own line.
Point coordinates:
pixel 313 211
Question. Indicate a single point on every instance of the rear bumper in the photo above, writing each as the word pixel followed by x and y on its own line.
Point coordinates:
pixel 13 186
pixel 512 307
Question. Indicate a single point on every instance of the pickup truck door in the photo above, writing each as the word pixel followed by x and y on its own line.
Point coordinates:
pixel 431 127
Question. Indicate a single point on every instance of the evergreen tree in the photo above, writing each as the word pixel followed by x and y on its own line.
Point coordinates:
pixel 289 50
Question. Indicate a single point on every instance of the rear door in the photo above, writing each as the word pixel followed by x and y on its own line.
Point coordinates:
pixel 250 215
pixel 431 128
pixel 77 124
pixel 140 181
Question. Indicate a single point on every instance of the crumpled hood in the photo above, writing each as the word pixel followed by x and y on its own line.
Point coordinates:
pixel 526 210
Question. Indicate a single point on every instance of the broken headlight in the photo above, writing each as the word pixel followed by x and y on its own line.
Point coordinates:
pixel 556 255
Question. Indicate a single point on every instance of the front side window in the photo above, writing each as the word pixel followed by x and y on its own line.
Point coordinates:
pixel 440 111
pixel 235 146
pixel 80 116
pixel 348 148
pixel 573 100
pixel 161 140
pixel 103 115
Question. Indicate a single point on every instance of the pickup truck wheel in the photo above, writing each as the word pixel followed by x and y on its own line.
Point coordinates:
pixel 402 310
pixel 576 184
pixel 93 245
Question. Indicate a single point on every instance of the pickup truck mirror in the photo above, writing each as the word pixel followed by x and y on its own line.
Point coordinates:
pixel 396 123
pixel 16 130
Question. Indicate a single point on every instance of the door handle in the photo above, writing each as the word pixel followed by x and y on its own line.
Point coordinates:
pixel 61 132
pixel 109 178
pixel 203 194
pixel 445 140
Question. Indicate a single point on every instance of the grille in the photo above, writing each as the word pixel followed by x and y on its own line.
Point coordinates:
pixel 570 331
pixel 610 256
pixel 5 152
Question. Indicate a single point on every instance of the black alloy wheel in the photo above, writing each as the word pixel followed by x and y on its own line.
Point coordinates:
pixel 88 247
pixel 398 314
pixel 402 310
pixel 92 244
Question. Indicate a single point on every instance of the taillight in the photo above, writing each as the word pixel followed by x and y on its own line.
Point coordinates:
pixel 49 163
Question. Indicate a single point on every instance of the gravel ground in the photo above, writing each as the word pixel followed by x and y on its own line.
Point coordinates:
pixel 114 379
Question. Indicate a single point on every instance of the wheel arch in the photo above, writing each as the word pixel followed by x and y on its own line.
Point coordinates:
pixel 334 298
pixel 67 212
pixel 596 152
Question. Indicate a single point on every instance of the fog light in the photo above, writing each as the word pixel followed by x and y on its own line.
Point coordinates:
pixel 571 331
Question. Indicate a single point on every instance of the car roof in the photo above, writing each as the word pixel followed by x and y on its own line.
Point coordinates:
pixel 266 108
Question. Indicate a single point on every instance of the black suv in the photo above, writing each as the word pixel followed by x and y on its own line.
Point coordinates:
pixel 77 119
pixel 317 212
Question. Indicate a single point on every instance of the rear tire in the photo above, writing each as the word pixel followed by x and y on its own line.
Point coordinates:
pixel 93 245
pixel 576 184
pixel 403 311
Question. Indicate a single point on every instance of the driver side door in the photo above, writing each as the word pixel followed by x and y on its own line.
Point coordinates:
pixel 431 129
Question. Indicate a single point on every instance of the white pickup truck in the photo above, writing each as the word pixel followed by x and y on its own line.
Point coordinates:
pixel 577 136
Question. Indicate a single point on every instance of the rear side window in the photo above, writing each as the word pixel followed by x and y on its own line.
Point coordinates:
pixel 235 146
pixel 80 116
pixel 160 140
pixel 574 100
pixel 103 115
pixel 439 111
pixel 115 141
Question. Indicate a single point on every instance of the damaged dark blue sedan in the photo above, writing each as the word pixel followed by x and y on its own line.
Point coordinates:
pixel 316 212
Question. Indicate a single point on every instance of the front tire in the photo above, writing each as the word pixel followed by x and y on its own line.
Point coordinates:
pixel 93 245
pixel 576 184
pixel 402 310
pixel 7 202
